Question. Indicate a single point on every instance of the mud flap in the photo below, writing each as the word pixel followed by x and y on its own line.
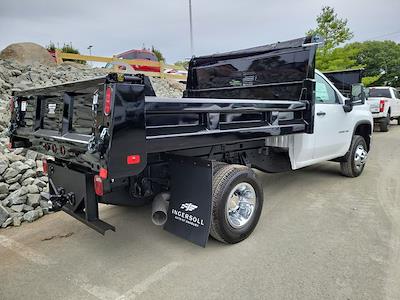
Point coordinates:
pixel 189 212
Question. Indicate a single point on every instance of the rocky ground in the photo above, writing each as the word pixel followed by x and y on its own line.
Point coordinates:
pixel 21 171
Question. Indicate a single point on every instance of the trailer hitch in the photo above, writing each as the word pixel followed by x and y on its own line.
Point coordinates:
pixel 60 198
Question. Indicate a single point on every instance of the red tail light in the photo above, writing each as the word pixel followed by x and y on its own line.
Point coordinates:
pixel 107 102
pixel 133 159
pixel 11 104
pixel 98 185
pixel 382 106
pixel 45 166
pixel 103 173
pixel 9 146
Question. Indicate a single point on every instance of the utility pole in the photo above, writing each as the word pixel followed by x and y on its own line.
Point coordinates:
pixel 90 49
pixel 191 28
pixel 90 52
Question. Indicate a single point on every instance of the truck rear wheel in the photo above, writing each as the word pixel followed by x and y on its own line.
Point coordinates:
pixel 384 124
pixel 237 203
pixel 356 158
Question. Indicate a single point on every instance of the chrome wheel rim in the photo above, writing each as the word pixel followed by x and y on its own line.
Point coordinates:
pixel 240 205
pixel 360 157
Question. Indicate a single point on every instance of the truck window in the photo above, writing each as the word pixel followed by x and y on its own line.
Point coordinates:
pixel 396 94
pixel 385 92
pixel 324 93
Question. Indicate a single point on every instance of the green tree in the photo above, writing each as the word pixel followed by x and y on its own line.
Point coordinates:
pixel 183 63
pixel 332 28
pixel 381 60
pixel 157 53
pixel 341 58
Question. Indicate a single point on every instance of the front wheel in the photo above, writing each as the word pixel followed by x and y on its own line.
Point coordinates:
pixel 355 161
pixel 237 203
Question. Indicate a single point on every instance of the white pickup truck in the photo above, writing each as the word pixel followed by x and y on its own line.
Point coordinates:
pixel 384 103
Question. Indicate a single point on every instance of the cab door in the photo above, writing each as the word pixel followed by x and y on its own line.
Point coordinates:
pixel 332 125
pixel 396 100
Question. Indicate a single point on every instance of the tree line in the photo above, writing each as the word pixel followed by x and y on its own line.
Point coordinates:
pixel 379 59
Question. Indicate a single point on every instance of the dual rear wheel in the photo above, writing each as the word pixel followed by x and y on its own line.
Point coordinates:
pixel 237 203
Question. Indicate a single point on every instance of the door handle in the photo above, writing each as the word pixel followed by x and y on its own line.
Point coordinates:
pixel 321 113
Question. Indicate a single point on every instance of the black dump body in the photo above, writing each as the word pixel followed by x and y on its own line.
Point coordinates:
pixel 233 101
pixel 343 80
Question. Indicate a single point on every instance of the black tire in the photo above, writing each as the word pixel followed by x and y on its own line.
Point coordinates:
pixel 398 120
pixel 228 177
pixel 348 167
pixel 384 124
pixel 217 165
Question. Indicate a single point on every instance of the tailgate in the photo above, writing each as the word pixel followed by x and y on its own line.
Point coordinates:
pixel 59 120
pixel 376 104
pixel 94 124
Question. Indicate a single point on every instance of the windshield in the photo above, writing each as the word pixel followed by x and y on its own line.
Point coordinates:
pixel 373 92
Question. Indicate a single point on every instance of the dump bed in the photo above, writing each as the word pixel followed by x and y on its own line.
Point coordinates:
pixel 343 80
pixel 116 122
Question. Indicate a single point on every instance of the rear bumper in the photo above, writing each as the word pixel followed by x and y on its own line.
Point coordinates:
pixel 379 117
pixel 73 192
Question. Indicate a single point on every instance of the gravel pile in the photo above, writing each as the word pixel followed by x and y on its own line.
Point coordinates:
pixel 21 182
pixel 21 171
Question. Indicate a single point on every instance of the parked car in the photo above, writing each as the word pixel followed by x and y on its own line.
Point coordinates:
pixel 385 105
pixel 142 54
pixel 265 108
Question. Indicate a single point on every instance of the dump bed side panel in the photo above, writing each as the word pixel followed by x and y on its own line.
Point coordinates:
pixel 273 72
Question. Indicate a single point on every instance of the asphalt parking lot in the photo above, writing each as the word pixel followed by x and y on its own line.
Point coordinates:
pixel 321 236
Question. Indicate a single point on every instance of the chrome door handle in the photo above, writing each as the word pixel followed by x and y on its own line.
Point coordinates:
pixel 321 113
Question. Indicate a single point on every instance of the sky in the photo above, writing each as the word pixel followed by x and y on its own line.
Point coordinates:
pixel 113 27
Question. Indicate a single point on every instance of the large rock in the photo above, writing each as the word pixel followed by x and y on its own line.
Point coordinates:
pixel 14 157
pixel 28 181
pixel 19 166
pixel 10 173
pixel 3 188
pixel 28 174
pixel 3 166
pixel 6 222
pixel 17 221
pixel 31 154
pixel 13 179
pixel 31 216
pixel 17 197
pixel 27 54
pixel 18 207
pixel 33 200
pixel 14 187
pixel 3 214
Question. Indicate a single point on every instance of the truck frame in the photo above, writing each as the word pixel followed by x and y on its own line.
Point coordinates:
pixel 114 142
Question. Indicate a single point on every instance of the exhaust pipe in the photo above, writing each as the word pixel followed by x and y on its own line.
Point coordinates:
pixel 159 208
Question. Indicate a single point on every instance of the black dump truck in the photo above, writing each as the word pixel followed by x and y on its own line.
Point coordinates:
pixel 115 142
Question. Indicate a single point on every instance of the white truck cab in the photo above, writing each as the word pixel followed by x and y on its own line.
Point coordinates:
pixel 342 132
pixel 385 105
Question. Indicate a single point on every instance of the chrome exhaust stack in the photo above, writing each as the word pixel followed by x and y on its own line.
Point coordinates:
pixel 160 208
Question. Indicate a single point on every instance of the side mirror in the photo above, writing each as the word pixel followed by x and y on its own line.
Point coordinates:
pixel 358 94
pixel 348 105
